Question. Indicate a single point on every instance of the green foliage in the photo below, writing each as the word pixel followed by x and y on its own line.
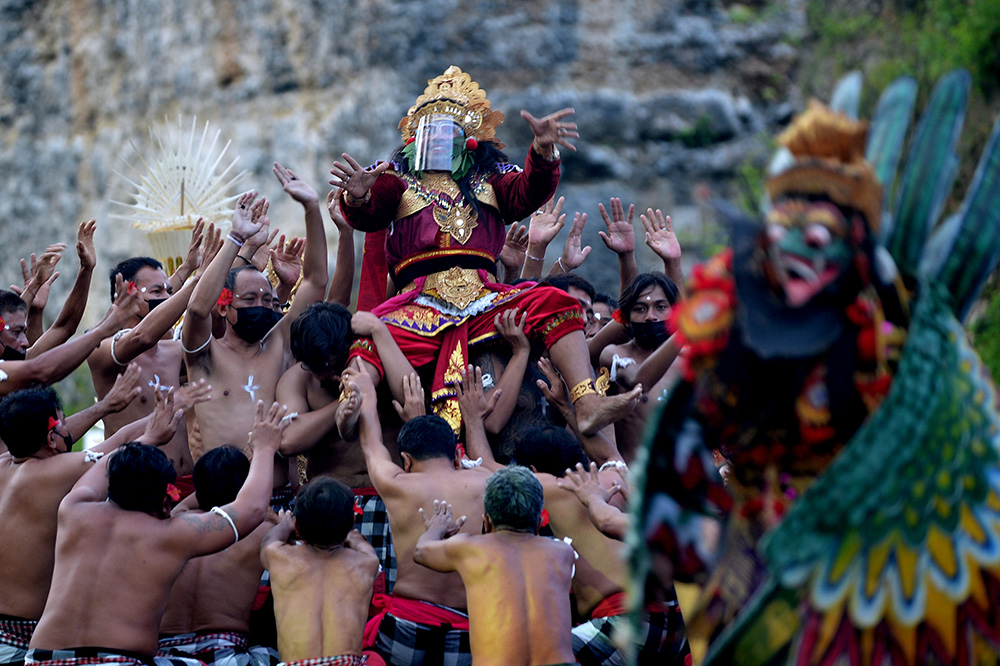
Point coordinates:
pixel 700 135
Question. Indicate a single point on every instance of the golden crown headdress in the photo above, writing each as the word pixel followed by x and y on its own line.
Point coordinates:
pixel 455 93
pixel 829 152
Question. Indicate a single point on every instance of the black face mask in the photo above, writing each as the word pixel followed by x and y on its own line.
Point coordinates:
pixel 650 334
pixel 67 440
pixel 253 323
pixel 13 354
pixel 153 302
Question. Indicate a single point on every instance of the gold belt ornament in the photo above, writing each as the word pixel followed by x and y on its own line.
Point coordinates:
pixel 457 286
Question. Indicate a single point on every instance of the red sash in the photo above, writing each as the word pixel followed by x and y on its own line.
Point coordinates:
pixel 414 611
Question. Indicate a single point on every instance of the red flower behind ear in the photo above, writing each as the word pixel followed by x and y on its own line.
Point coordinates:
pixel 173 493
pixel 2 324
pixel 54 423
pixel 545 518
pixel 225 298
pixel 619 317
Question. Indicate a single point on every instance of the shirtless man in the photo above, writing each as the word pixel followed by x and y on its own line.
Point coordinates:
pixel 146 340
pixel 322 580
pixel 517 582
pixel 244 365
pixel 601 571
pixel 35 475
pixel 208 612
pixel 58 362
pixel 423 601
pixel 320 341
pixel 647 358
pixel 118 551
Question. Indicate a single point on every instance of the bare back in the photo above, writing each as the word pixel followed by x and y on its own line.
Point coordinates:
pixel 601 570
pixel 30 493
pixel 464 490
pixel 216 592
pixel 321 598
pixel 112 577
pixel 518 586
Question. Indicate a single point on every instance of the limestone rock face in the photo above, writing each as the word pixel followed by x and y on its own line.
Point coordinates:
pixel 670 95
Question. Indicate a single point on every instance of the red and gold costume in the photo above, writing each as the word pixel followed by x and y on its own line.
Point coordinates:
pixel 441 253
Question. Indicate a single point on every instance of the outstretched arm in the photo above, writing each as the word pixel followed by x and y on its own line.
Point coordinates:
pixel 394 362
pixel 543 226
pixel 660 237
pixel 509 383
pixel 37 283
pixel 58 362
pixel 360 395
pixel 573 253
pixel 123 392
pixel 475 407
pixel 438 548
pixel 653 368
pixel 69 317
pixel 192 260
pixel 620 239
pixel 314 268
pixel 247 220
pixel 308 427
pixel 593 495
pixel 342 283
pixel 276 537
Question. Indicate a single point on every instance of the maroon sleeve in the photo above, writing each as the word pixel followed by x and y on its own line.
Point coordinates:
pixel 520 194
pixel 378 212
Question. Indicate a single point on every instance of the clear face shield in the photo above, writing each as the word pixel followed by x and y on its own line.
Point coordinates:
pixel 435 139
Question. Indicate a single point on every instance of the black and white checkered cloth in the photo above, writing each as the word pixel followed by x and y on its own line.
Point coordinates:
pixel 229 648
pixel 373 523
pixel 661 640
pixel 406 643
pixel 93 656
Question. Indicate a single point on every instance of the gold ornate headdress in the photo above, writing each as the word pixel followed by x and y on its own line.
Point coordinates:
pixel 456 94
pixel 829 151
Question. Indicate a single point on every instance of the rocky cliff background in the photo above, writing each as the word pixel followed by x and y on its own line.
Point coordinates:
pixel 672 97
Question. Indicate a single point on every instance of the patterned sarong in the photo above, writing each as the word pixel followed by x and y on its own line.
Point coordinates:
pixel 228 648
pixel 342 660
pixel 373 523
pixel 661 638
pixel 97 656
pixel 15 634
pixel 409 632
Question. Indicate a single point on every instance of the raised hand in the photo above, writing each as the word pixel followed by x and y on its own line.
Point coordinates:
pixel 512 330
pixel 192 393
pixel 125 389
pixel 551 129
pixel 297 188
pixel 660 236
pixel 211 244
pixel 515 246
pixel 333 207
pixel 125 307
pixel 573 254
pixel 443 519
pixel 286 259
pixel 165 419
pixel 268 426
pixel 546 222
pixel 587 487
pixel 620 237
pixel 192 260
pixel 472 400
pixel 85 245
pixel 413 398
pixel 354 178
pixel 247 222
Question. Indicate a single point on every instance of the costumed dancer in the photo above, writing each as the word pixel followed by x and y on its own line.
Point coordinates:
pixel 829 367
pixel 435 217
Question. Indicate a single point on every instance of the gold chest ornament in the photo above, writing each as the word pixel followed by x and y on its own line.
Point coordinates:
pixel 452 215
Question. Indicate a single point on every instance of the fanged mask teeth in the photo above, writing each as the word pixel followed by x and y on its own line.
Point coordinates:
pixel 798 268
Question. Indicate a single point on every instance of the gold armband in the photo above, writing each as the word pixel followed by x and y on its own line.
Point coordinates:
pixel 586 387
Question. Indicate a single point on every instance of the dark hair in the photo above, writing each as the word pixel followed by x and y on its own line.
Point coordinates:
pixel 601 297
pixel 128 269
pixel 486 159
pixel 641 283
pixel 549 449
pixel 11 302
pixel 566 280
pixel 24 419
pixel 427 437
pixel 218 476
pixel 321 332
pixel 138 475
pixel 233 272
pixel 324 511
pixel 513 499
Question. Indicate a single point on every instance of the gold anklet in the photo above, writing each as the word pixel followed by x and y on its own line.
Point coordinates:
pixel 586 387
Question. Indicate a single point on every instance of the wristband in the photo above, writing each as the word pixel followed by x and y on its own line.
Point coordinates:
pixel 534 258
pixel 240 256
pixel 233 237
pixel 353 202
